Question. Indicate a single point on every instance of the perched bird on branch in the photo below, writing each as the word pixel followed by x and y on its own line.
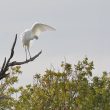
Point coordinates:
pixel 33 33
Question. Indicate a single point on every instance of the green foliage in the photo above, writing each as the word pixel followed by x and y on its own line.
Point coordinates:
pixel 73 88
pixel 7 89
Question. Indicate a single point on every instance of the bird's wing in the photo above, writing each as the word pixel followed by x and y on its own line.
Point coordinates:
pixel 37 28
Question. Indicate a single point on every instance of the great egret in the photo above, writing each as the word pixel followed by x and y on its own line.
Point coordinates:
pixel 33 33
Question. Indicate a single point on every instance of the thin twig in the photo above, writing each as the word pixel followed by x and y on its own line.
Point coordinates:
pixel 3 64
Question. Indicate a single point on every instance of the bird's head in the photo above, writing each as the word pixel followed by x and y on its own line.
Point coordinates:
pixel 36 37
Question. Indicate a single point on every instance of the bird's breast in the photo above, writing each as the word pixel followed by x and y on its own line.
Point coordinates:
pixel 26 37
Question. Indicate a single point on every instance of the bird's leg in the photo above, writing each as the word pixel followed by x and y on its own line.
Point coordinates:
pixel 26 52
pixel 29 52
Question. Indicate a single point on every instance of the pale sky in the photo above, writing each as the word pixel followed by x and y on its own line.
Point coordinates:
pixel 82 29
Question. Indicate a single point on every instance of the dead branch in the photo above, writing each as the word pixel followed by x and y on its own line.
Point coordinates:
pixel 7 63
pixel 24 62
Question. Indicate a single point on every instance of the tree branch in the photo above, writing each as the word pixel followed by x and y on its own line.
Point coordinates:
pixel 3 64
pixel 24 62
pixel 7 63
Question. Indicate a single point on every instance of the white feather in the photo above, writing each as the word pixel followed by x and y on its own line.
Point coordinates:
pixel 37 28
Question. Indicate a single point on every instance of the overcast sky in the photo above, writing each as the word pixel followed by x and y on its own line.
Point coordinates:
pixel 82 29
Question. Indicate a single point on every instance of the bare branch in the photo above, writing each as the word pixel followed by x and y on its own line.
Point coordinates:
pixel 24 62
pixel 12 50
pixel 7 64
pixel 3 64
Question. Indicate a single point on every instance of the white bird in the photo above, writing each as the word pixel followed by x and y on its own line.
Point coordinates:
pixel 33 33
